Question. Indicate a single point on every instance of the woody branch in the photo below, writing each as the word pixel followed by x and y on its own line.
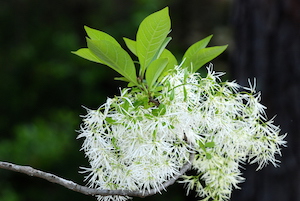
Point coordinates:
pixel 91 191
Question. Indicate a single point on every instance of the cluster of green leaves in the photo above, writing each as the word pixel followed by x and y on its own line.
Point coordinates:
pixel 150 48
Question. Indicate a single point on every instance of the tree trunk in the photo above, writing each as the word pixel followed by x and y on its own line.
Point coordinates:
pixel 267 46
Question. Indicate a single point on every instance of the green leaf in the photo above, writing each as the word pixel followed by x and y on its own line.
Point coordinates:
pixel 209 144
pixel 208 155
pixel 122 79
pixel 172 59
pixel 87 54
pixel 161 110
pixel 131 44
pixel 154 71
pixel 110 120
pixel 151 35
pixel 158 89
pixel 95 34
pixel 172 95
pixel 162 53
pixel 184 94
pixel 192 50
pixel 125 105
pixel 162 47
pixel 201 145
pixel 115 57
pixel 205 55
pixel 114 143
pixel 185 75
pixel 131 84
pixel 172 62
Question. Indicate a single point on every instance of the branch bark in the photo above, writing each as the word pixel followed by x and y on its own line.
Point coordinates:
pixel 91 191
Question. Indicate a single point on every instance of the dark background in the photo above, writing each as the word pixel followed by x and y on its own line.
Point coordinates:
pixel 43 86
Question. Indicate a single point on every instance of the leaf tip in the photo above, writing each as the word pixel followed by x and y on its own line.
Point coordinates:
pixel 86 28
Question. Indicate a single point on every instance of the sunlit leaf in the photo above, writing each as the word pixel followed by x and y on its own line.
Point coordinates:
pixel 95 34
pixel 184 93
pixel 172 62
pixel 87 54
pixel 122 79
pixel 110 120
pixel 131 44
pixel 161 110
pixel 154 71
pixel 171 58
pixel 172 95
pixel 162 47
pixel 115 57
pixel 208 155
pixel 151 34
pixel 193 49
pixel 209 144
pixel 205 55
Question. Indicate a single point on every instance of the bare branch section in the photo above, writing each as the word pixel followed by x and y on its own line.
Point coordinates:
pixel 91 191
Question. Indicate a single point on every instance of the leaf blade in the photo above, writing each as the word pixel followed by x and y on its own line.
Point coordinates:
pixel 171 58
pixel 193 49
pixel 131 44
pixel 114 57
pixel 162 47
pixel 151 34
pixel 95 34
pixel 172 62
pixel 87 54
pixel 154 71
pixel 205 55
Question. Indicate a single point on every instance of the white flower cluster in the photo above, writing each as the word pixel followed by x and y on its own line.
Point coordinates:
pixel 136 143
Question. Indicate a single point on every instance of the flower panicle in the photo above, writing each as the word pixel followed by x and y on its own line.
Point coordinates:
pixel 134 144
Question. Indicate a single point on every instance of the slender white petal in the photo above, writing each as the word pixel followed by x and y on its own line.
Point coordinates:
pixel 135 146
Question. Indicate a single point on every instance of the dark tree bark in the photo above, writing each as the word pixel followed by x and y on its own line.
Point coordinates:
pixel 267 39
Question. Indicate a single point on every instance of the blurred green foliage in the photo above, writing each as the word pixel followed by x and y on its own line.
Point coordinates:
pixel 43 86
